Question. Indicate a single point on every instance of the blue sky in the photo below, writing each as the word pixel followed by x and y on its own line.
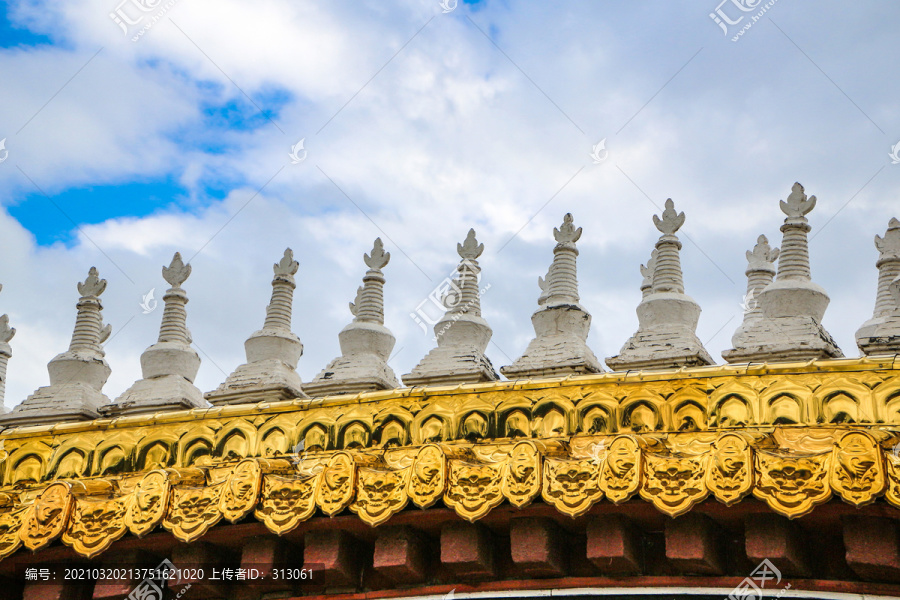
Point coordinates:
pixel 418 124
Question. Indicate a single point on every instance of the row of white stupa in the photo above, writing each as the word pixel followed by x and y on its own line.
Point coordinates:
pixel 782 323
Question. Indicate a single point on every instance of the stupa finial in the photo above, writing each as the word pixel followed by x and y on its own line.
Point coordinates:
pixel 177 272
pixel 470 248
pixel 797 204
pixel 378 259
pixel 671 221
pixel 567 233
pixel 762 257
pixel 287 266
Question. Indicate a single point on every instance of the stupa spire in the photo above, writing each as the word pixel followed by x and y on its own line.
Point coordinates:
pixel 369 305
pixel 170 365
pixel 647 274
pixel 6 334
pixel 794 261
pixel 174 321
pixel 787 325
pixel 366 343
pixel 270 373
pixel 760 273
pixel 667 276
pixel 462 334
pixel 465 298
pixel 561 285
pixel 561 325
pixel 77 376
pixel 667 317
pixel 278 312
pixel 881 333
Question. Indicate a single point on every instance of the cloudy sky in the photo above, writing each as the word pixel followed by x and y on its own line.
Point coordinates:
pixel 136 128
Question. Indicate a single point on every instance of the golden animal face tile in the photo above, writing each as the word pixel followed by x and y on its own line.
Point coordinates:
pixel 337 484
pixel 148 502
pixel 474 488
pixel 379 494
pixel 241 490
pixel 193 510
pixel 857 472
pixel 95 525
pixel 47 517
pixel 10 524
pixel 792 485
pixel 674 483
pixel 620 476
pixel 429 476
pixel 572 486
pixel 729 474
pixel 522 480
pixel 286 502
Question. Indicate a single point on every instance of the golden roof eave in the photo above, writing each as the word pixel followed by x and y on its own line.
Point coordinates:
pixel 867 363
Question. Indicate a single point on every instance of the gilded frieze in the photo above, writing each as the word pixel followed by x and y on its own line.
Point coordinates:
pixel 792 436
